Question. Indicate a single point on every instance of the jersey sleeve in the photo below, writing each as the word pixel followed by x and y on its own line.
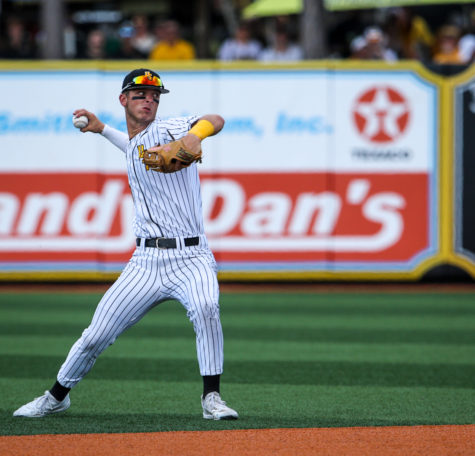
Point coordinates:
pixel 177 127
pixel 116 137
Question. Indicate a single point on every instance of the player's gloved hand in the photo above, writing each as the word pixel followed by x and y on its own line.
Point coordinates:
pixel 174 156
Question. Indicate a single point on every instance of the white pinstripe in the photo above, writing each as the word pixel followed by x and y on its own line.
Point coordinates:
pixel 167 205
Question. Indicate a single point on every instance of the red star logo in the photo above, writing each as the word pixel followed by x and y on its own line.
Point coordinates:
pixel 381 114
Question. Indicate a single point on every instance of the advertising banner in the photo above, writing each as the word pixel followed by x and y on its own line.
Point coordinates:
pixel 464 200
pixel 316 170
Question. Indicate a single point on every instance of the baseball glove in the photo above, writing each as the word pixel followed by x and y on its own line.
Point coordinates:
pixel 163 159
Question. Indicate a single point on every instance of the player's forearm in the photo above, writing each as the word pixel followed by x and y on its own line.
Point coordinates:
pixel 216 120
pixel 207 125
pixel 116 137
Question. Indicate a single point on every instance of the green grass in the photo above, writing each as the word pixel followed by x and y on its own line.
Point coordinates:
pixel 291 360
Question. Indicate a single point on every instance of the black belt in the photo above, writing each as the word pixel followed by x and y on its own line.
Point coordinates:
pixel 165 243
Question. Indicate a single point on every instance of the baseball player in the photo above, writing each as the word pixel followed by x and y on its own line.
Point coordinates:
pixel 172 259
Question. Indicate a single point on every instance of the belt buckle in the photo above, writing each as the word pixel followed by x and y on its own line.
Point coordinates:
pixel 156 243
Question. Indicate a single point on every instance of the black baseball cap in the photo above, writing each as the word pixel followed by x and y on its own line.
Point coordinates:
pixel 143 79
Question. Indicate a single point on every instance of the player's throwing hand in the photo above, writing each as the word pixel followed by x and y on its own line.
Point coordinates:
pixel 94 125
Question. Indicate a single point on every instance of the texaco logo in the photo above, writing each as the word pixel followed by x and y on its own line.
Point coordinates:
pixel 381 114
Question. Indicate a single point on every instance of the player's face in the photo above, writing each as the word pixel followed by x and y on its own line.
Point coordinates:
pixel 141 104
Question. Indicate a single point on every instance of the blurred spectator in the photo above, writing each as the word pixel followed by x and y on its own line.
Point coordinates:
pixel 171 46
pixel 282 50
pixel 241 47
pixel 372 46
pixel 446 48
pixel 409 35
pixel 126 49
pixel 17 44
pixel 358 48
pixel 142 40
pixel 467 42
pixel 95 45
pixel 376 45
pixel 70 40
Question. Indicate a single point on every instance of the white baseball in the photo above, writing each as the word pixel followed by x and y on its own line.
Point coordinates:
pixel 80 122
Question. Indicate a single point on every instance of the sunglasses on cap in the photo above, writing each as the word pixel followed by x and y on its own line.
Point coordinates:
pixel 145 80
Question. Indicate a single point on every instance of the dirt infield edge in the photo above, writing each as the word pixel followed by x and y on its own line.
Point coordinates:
pixel 447 440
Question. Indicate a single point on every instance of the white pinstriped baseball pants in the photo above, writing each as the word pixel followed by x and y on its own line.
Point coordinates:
pixel 153 276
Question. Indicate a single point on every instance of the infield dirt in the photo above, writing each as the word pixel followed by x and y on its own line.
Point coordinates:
pixel 358 441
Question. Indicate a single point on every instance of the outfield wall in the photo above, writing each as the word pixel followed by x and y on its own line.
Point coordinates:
pixel 329 170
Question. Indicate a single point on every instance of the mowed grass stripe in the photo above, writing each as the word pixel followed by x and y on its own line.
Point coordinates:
pixel 272 372
pixel 322 304
pixel 184 348
pixel 387 305
pixel 431 300
pixel 144 406
pixel 404 312
pixel 261 333
pixel 274 320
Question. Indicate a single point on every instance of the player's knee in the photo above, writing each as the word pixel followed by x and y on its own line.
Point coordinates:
pixel 92 339
pixel 204 312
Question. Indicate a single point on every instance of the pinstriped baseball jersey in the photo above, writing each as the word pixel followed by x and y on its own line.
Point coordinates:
pixel 166 205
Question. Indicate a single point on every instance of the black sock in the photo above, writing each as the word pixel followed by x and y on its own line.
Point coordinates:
pixel 59 392
pixel 210 384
